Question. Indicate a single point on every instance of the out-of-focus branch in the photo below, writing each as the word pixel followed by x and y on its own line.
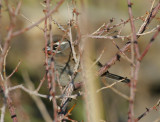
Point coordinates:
pixel 41 82
pixel 16 68
pixel 36 97
pixel 40 20
pixel 3 110
pixel 12 14
pixel 109 86
pixel 32 22
pixel 116 91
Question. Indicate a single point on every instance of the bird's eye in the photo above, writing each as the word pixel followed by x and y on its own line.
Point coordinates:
pixel 55 45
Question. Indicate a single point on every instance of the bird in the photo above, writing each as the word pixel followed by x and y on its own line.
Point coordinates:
pixel 63 59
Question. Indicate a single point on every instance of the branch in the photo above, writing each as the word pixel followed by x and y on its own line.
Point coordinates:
pixel 112 61
pixel 39 21
pixel 149 44
pixel 148 110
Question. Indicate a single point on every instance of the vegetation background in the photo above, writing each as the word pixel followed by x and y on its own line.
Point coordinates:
pixel 28 46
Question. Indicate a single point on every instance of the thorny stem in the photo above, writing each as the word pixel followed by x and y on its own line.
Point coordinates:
pixel 53 87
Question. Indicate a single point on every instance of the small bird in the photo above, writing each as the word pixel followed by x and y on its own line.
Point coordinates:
pixel 64 63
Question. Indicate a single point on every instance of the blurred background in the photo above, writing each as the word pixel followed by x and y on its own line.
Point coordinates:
pixel 28 47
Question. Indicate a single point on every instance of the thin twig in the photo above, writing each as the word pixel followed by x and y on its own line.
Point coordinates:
pixel 149 44
pixel 41 82
pixel 59 26
pixel 40 20
pixel 94 63
pixel 16 68
pixel 27 90
pixel 4 64
pixel 149 18
pixel 109 86
pixel 50 67
pixel 116 91
pixel 148 32
pixel 72 45
pixel 12 14
pixel 36 98
pixel 148 110
pixel 32 22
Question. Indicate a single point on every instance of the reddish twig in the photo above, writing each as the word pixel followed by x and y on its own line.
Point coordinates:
pixel 149 44
pixel 148 110
pixel 112 61
pixel 134 71
pixel 52 67
pixel 41 82
pixel 16 68
pixel 12 14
